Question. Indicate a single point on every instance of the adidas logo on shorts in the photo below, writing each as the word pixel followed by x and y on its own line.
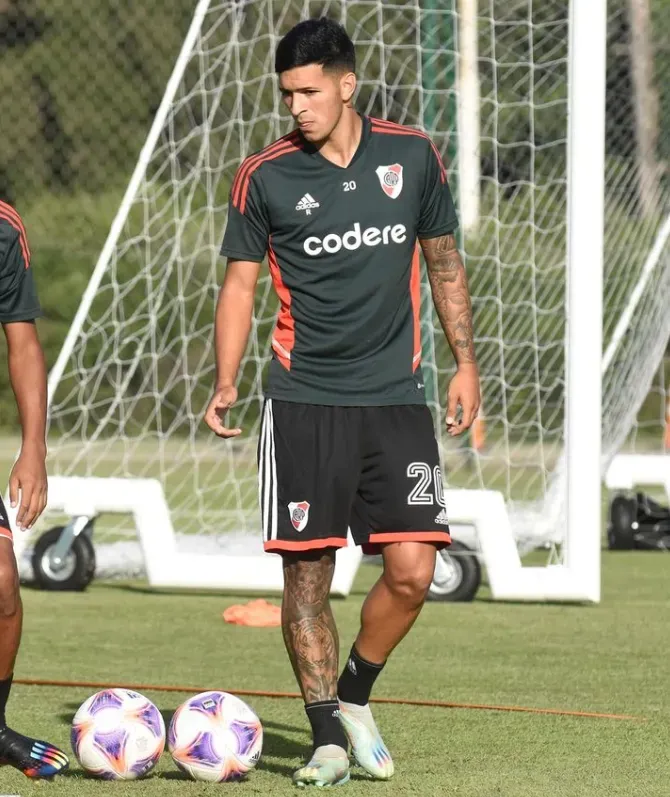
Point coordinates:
pixel 442 518
pixel 307 203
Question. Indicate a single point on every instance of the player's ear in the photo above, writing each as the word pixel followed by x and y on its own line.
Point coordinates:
pixel 347 86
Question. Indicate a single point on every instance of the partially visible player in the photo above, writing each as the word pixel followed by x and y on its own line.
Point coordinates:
pixel 19 307
pixel 340 206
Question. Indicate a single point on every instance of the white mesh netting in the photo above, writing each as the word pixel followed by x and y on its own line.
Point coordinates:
pixel 134 387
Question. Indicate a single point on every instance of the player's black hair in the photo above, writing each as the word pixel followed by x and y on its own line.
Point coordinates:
pixel 316 41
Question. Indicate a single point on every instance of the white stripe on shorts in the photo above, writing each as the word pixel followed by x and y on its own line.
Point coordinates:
pixel 267 475
pixel 273 459
pixel 261 467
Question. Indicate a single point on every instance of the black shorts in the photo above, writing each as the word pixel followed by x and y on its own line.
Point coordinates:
pixel 324 470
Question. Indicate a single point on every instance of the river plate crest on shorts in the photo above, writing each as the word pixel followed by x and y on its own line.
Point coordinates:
pixel 299 514
pixel 390 178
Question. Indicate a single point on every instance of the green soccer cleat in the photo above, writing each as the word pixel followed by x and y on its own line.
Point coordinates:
pixel 329 766
pixel 367 745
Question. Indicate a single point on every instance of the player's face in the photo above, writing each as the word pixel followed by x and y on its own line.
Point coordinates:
pixel 316 98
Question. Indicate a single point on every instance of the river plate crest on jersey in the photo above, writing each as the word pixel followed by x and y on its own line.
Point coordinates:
pixel 390 178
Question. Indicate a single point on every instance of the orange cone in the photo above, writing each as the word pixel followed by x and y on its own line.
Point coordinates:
pixel 259 614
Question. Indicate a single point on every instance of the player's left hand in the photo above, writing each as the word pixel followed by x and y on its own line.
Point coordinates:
pixel 29 479
pixel 222 400
pixel 464 393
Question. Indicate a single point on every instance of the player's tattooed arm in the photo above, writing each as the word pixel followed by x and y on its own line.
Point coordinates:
pixel 451 296
pixel 308 625
pixel 449 286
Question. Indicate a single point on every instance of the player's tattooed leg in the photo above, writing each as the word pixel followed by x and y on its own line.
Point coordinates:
pixel 312 644
pixel 308 625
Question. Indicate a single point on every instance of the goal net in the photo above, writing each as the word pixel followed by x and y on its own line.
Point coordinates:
pixel 489 82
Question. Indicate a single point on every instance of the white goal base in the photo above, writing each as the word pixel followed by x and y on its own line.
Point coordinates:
pixel 166 565
pixel 627 471
pixel 483 511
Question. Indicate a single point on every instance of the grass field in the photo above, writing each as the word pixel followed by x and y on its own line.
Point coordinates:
pixel 607 658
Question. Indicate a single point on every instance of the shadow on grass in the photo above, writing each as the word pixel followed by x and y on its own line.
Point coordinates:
pixel 287 771
pixel 142 587
pixel 544 604
pixel 173 774
pixel 146 589
pixel 263 766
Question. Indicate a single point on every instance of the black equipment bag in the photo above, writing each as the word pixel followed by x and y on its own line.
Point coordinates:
pixel 638 523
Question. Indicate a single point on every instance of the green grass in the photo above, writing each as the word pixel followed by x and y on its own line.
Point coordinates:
pixel 606 658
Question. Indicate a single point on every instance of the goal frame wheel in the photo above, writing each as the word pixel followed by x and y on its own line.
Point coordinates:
pixel 458 574
pixel 68 571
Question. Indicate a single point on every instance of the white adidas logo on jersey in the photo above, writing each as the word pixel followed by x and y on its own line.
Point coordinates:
pixel 307 203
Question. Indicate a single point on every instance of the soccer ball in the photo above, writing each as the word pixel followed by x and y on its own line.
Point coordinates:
pixel 215 736
pixel 118 734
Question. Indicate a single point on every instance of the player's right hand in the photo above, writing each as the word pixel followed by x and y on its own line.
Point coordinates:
pixel 28 480
pixel 222 400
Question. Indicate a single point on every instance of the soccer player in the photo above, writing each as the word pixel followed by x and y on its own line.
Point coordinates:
pixel 19 307
pixel 347 440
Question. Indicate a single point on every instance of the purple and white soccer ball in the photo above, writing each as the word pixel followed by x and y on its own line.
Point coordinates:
pixel 215 736
pixel 118 734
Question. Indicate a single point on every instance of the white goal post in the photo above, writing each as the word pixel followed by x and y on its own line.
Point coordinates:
pixel 128 390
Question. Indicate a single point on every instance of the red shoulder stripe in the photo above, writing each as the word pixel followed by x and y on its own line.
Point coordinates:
pixel 8 214
pixel 248 161
pixel 240 186
pixel 288 148
pixel 377 121
pixel 12 211
pixel 391 128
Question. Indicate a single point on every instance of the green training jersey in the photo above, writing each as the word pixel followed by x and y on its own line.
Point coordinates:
pixel 341 245
pixel 18 295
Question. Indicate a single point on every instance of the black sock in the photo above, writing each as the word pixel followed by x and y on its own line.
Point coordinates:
pixel 325 722
pixel 5 686
pixel 357 679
